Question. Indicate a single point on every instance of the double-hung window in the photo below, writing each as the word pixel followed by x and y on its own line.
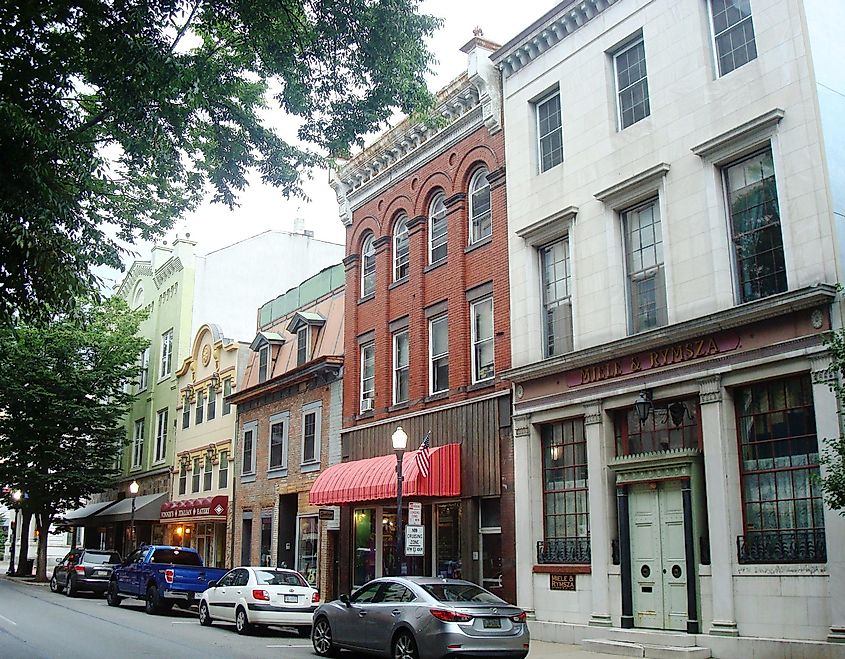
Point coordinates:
pixel 227 391
pixel 733 33
pixel 211 411
pixel 555 270
pixel 144 370
pixel 138 444
pixel 755 226
pixel 368 377
pixel 166 363
pixel 195 475
pixel 438 346
pixel 549 131
pixel 311 422
pixel 248 463
pixel 302 340
pixel 183 478
pixel 223 471
pixel 161 436
pixel 438 230
pixel 200 410
pixel 644 266
pixel 368 267
pixel 206 475
pixel 480 214
pixel 400 367
pixel 263 362
pixel 481 314
pixel 279 441
pixel 631 84
pixel 401 250
pixel 186 411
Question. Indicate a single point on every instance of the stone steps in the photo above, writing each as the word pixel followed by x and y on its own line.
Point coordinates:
pixel 647 650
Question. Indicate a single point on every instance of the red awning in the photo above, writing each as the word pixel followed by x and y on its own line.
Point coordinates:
pixel 205 509
pixel 375 478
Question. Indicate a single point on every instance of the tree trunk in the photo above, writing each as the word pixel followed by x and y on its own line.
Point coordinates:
pixel 23 550
pixel 43 521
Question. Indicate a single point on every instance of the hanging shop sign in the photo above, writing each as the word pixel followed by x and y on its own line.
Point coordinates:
pixel 414 540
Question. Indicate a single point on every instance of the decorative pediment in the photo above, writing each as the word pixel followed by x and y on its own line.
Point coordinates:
pixel 266 338
pixel 300 318
pixel 138 270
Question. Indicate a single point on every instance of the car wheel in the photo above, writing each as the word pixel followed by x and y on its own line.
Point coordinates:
pixel 55 586
pixel 321 639
pixel 152 605
pixel 205 616
pixel 304 632
pixel 111 594
pixel 70 589
pixel 242 623
pixel 404 647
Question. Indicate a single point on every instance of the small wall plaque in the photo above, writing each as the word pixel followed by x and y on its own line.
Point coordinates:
pixel 562 581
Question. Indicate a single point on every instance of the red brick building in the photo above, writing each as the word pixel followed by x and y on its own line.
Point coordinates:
pixel 427 335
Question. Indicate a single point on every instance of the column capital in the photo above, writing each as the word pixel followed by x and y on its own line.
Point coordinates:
pixel 520 425
pixel 592 412
pixel 710 390
pixel 821 368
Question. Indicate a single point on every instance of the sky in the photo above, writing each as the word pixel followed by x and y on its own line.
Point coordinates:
pixel 261 208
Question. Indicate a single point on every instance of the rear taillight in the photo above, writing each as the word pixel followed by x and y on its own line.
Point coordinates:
pixel 519 617
pixel 79 569
pixel 450 616
pixel 262 595
pixel 315 598
pixel 168 575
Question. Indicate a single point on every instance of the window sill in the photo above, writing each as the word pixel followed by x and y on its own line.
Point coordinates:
pixel 134 468
pixel 404 405
pixel 279 472
pixel 440 395
pixel 365 415
pixel 559 568
pixel 366 298
pixel 478 244
pixel 158 463
pixel 436 264
pixel 484 384
pixel 247 478
pixel 398 283
pixel 308 467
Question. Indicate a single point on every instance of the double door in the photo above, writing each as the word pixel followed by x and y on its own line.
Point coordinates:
pixel 658 564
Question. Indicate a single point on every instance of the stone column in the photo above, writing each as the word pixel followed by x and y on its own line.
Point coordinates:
pixel 523 468
pixel 599 513
pixel 827 431
pixel 722 543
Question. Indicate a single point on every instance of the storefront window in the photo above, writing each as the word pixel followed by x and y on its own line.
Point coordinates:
pixel 449 540
pixel 668 427
pixel 365 546
pixel 388 543
pixel 308 548
pixel 491 544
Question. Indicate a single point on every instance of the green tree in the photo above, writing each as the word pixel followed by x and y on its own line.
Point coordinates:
pixel 117 117
pixel 63 396
pixel 833 458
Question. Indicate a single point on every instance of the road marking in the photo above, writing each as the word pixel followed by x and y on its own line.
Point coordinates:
pixel 183 622
pixel 9 621
pixel 291 645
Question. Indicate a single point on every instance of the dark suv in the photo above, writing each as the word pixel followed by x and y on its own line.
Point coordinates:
pixel 84 569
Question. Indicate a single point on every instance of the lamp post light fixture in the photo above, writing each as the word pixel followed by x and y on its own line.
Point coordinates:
pixel 400 441
pixel 133 490
pixel 675 411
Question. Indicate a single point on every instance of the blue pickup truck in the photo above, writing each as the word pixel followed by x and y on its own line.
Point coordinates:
pixel 161 576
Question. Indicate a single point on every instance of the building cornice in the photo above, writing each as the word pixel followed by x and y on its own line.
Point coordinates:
pixel 330 364
pixel 139 269
pixel 170 268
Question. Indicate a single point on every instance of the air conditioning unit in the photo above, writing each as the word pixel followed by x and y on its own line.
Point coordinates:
pixel 367 405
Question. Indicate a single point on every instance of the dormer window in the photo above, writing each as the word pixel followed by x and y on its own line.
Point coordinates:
pixel 304 326
pixel 262 343
pixel 302 347
pixel 263 362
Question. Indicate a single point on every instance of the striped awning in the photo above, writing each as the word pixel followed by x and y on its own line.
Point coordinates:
pixel 375 478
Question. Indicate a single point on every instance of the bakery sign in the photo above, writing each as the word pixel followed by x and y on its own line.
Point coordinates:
pixel 208 508
pixel 671 355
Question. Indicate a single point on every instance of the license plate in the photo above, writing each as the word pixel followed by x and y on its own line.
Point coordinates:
pixel 491 623
pixel 291 599
pixel 101 573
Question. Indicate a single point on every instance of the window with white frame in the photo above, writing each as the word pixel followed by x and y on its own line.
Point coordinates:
pixel 480 214
pixel 368 267
pixel 549 131
pixel 438 347
pixel 227 391
pixel 400 367
pixel 733 34
pixel 161 436
pixel 752 200
pixel 183 478
pixel 311 421
pixel 368 377
pixel 186 411
pixel 207 473
pixel 200 409
pixel 279 441
pixel 555 270
pixel 302 345
pixel 138 444
pixel 263 362
pixel 644 265
pixel 631 84
pixel 438 229
pixel 144 370
pixel 196 472
pixel 401 251
pixel 223 471
pixel 481 314
pixel 211 410
pixel 248 462
pixel 166 364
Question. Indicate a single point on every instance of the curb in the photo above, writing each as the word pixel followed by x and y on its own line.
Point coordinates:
pixel 29 581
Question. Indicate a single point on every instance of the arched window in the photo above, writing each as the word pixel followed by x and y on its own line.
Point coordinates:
pixel 368 267
pixel 138 298
pixel 437 229
pixel 480 217
pixel 400 249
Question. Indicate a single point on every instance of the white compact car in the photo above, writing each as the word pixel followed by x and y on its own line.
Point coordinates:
pixel 250 596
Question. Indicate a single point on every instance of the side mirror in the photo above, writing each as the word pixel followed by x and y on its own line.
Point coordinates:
pixel 58 560
pixel 345 599
pixel 212 584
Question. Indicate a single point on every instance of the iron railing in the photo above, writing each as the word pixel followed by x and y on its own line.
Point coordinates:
pixel 795 546
pixel 564 550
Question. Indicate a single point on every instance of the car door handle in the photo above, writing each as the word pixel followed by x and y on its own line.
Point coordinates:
pixel 361 614
pixel 396 612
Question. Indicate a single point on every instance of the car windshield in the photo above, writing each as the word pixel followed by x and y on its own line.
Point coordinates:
pixel 278 578
pixel 101 557
pixel 459 592
pixel 175 557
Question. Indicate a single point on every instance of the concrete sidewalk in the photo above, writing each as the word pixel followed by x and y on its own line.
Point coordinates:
pixel 544 650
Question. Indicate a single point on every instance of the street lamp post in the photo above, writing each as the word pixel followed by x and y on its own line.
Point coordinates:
pixel 133 490
pixel 400 441
pixel 16 497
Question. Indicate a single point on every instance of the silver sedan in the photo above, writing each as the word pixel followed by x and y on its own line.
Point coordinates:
pixel 421 618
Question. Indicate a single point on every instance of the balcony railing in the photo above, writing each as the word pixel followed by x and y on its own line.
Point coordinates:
pixel 564 550
pixel 798 546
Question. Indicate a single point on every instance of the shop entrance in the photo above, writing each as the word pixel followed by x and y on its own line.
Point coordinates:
pixel 658 564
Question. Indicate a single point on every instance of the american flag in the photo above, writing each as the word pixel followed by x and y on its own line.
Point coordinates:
pixel 422 456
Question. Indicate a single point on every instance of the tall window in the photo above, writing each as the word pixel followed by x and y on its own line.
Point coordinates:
pixel 183 478
pixel 631 84
pixel 200 411
pixel 438 346
pixel 368 267
pixel 138 444
pixel 144 370
pixel 311 421
pixel 668 427
pixel 438 230
pixel 733 33
pixel 211 412
pixel 161 435
pixel 278 441
pixel 401 254
pixel 644 265
pixel 779 465
pixel 248 465
pixel 755 227
pixel 263 362
pixel 557 298
pixel 400 367
pixel 223 471
pixel 566 517
pixel 206 476
pixel 302 336
pixel 480 215
pixel 227 391
pixel 482 340
pixel 549 132
pixel 166 354
pixel 186 411
pixel 195 475
pixel 368 377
